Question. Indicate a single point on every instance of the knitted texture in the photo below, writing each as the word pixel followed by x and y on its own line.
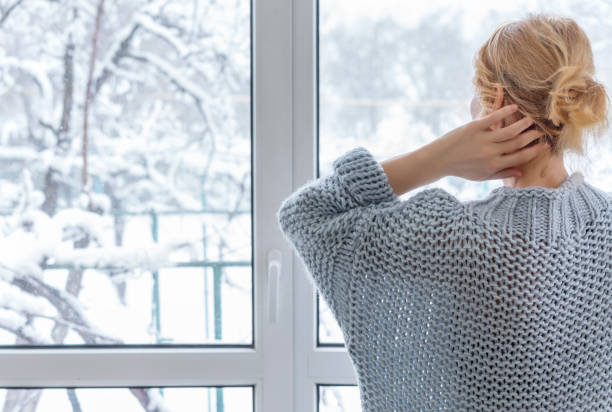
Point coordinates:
pixel 503 303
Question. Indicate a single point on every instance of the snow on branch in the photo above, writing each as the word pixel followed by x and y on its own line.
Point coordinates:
pixel 152 26
pixel 15 299
pixel 73 220
pixel 151 257
pixel 156 402
pixel 18 325
pixel 116 51
pixel 182 83
pixel 67 305
pixel 7 12
pixel 121 44
pixel 18 153
pixel 174 75
pixel 38 71
pixel 185 201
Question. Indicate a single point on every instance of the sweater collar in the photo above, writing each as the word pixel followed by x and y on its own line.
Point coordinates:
pixel 573 181
pixel 538 213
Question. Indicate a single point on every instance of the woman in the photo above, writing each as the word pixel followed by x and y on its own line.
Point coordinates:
pixel 497 304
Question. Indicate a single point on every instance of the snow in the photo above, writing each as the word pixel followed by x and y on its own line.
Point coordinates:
pixel 73 220
pixel 147 22
pixel 11 320
pixel 15 299
pixel 18 256
pixel 99 201
pixel 146 258
pixel 156 402
pixel 38 70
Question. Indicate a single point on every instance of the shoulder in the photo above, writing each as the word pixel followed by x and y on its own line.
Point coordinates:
pixel 417 227
pixel 428 208
pixel 603 198
pixel 435 200
pixel 439 200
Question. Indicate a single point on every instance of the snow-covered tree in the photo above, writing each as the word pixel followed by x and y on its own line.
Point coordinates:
pixel 110 109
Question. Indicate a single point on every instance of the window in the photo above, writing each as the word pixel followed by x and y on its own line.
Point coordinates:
pixel 230 399
pixel 126 207
pixel 397 76
pixel 145 146
pixel 127 174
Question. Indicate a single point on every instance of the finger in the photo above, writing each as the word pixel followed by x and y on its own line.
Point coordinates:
pixel 508 172
pixel 522 156
pixel 512 130
pixel 511 145
pixel 497 115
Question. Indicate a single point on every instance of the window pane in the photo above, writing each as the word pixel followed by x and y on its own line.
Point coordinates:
pixel 395 77
pixel 343 398
pixel 217 399
pixel 125 217
pixel 329 330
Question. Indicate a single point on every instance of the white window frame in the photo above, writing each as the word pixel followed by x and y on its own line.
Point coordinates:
pixel 313 365
pixel 286 365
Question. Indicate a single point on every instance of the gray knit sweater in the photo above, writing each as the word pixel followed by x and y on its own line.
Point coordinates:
pixel 503 303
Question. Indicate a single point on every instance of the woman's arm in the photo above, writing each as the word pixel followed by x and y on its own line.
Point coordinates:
pixel 479 150
pixel 411 170
pixel 325 218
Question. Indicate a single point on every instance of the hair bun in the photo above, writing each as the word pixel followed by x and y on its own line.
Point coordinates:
pixel 544 63
pixel 575 98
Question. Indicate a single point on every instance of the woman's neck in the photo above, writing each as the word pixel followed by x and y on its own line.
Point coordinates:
pixel 545 170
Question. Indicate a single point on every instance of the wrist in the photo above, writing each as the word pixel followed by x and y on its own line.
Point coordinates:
pixel 434 159
pixel 414 169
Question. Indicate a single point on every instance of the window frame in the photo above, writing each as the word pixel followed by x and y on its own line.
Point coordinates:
pixel 314 364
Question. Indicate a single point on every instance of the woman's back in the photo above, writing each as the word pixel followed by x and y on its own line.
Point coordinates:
pixel 498 304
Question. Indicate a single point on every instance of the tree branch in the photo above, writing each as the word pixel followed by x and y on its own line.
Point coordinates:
pixel 8 11
pixel 65 304
pixel 120 51
pixel 88 95
pixel 74 401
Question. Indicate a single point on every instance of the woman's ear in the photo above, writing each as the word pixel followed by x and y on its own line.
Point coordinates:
pixel 499 99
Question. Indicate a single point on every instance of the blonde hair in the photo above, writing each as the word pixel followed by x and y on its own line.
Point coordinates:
pixel 544 64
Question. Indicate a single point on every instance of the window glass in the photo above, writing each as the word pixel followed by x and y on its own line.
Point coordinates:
pixel 342 398
pixel 399 75
pixel 208 399
pixel 125 172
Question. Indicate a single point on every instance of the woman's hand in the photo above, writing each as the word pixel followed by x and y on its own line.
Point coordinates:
pixel 475 151
pixel 478 150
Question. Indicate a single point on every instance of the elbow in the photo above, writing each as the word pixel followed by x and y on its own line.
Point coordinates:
pixel 288 217
pixel 294 218
pixel 302 213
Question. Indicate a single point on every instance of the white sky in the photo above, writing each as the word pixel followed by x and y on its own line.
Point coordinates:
pixel 409 12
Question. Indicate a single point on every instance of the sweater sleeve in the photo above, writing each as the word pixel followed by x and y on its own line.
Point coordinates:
pixel 323 219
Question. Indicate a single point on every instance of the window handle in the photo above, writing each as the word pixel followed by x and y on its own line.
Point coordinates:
pixel 274 272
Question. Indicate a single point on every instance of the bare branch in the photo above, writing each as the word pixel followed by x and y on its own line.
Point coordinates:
pixel 66 305
pixel 68 88
pixel 74 401
pixel 103 338
pixel 49 127
pixel 92 62
pixel 8 11
pixel 21 400
pixel 52 180
pixel 162 32
pixel 119 52
pixel 145 399
pixel 183 84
